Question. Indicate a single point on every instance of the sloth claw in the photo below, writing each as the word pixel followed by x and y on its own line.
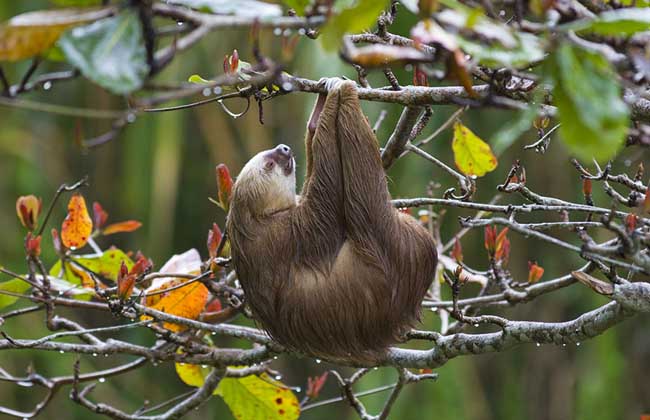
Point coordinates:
pixel 331 83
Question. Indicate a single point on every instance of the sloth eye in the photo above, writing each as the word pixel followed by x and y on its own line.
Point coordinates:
pixel 269 165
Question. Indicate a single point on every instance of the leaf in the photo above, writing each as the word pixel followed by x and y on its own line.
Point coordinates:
pixel 354 19
pixel 76 2
pixel 251 397
pixel 106 265
pixel 258 398
pixel 224 186
pixel 528 49
pixel 250 8
pixel 195 78
pixel 192 375
pixel 472 155
pixel 13 286
pixel 594 118
pixel 624 22
pixel 78 225
pixel 500 45
pixel 513 129
pixel 33 33
pixel 187 301
pixel 110 52
pixel 297 5
pixel 125 226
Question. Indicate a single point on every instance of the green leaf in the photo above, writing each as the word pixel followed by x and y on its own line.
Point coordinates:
pixel 30 34
pixel 361 16
pixel 110 52
pixel 106 265
pixel 195 78
pixel 499 44
pixel 594 118
pixel 13 286
pixel 238 8
pixel 297 5
pixel 527 49
pixel 77 3
pixel 511 131
pixel 624 22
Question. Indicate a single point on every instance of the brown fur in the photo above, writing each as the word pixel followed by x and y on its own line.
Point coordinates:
pixel 340 274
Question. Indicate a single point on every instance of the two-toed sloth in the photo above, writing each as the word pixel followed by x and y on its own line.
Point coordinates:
pixel 336 273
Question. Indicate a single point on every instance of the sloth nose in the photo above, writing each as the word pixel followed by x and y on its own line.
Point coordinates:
pixel 284 150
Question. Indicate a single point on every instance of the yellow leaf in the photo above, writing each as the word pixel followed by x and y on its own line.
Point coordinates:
pixel 186 301
pixel 259 398
pixel 32 33
pixel 192 375
pixel 472 155
pixel 251 397
pixel 77 225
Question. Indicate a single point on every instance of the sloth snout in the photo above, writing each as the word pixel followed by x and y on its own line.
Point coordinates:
pixel 284 150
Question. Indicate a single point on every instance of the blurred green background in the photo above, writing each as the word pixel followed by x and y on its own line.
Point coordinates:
pixel 161 171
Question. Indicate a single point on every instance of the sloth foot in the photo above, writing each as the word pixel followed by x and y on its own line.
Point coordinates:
pixel 331 83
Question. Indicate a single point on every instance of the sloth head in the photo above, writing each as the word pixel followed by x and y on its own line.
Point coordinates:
pixel 267 183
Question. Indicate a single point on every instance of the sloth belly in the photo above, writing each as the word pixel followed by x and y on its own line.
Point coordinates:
pixel 341 312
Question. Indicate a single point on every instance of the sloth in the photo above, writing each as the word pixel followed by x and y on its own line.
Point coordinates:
pixel 335 273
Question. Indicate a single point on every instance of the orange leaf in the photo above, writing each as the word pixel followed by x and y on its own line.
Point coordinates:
pixel 77 225
pixel 457 69
pixel 186 301
pixel 535 272
pixel 125 226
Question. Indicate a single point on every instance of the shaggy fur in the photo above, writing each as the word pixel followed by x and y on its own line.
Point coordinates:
pixel 338 273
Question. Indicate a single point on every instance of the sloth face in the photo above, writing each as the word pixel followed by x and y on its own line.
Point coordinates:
pixel 271 178
pixel 279 159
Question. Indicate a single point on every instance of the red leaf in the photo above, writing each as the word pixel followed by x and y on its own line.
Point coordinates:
pixel 224 186
pixel 28 207
pixel 99 215
pixel 419 77
pixel 214 306
pixel 214 238
pixel 535 272
pixel 457 251
pixel 631 222
pixel 125 226
pixel 490 239
pixel 586 187
pixel 315 385
pixel 33 245
pixel 77 225
pixel 125 282
pixel 141 266
pixel 502 252
pixel 234 61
